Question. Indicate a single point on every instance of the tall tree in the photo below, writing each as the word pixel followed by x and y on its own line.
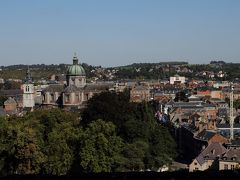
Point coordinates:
pixel 100 147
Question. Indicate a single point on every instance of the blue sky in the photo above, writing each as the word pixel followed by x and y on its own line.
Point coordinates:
pixel 119 32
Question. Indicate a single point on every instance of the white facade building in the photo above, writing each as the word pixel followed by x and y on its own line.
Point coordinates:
pixel 177 79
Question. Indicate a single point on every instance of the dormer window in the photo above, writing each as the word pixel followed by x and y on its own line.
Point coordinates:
pixel 206 156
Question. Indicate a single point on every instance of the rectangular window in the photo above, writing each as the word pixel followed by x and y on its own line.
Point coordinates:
pixel 232 167
pixel 77 98
pixel 225 166
pixel 51 97
pixel 67 98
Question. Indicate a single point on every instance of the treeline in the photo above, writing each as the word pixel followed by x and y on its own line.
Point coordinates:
pixel 39 71
pixel 112 135
pixel 161 70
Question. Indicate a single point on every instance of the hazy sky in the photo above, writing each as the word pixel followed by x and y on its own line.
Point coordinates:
pixel 119 32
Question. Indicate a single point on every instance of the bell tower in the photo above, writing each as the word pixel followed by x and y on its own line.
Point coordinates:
pixel 28 91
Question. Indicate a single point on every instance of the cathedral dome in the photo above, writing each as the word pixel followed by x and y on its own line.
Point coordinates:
pixel 75 69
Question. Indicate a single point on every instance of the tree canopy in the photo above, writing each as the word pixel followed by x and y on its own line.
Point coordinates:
pixel 112 135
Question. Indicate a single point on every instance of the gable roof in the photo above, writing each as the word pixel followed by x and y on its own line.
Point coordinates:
pixel 211 152
pixel 232 154
pixel 10 100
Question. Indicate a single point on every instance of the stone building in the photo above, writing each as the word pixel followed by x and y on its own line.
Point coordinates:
pixel 76 92
pixel 10 106
pixel 208 158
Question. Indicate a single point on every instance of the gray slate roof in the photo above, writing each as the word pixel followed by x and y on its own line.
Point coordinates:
pixel 71 88
pixel 206 135
pixel 232 154
pixel 54 88
pixel 11 92
pixel 211 152
pixel 10 100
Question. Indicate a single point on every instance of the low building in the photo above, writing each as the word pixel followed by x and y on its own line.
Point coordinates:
pixel 208 158
pixel 230 160
pixel 10 106
pixel 177 79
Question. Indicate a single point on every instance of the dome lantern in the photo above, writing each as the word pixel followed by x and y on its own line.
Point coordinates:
pixel 75 69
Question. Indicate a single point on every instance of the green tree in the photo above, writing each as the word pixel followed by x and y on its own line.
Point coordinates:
pixel 100 147
pixel 134 122
pixel 134 155
pixel 162 148
pixel 108 106
pixel 44 141
pixel 20 147
pixel 61 132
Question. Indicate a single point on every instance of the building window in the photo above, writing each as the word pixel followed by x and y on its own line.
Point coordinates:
pixel 232 167
pixel 52 97
pixel 27 88
pixel 225 166
pixel 195 163
pixel 77 98
pixel 196 168
pixel 67 98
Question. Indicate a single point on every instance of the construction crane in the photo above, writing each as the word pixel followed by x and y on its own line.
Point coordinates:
pixel 231 117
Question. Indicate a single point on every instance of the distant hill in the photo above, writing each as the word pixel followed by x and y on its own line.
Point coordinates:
pixel 137 71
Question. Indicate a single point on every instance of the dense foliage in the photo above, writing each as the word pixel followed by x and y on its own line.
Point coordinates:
pixel 147 143
pixel 112 135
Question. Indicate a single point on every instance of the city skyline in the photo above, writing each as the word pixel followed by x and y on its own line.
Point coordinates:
pixel 114 33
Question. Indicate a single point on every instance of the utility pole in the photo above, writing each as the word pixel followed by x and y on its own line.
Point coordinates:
pixel 231 117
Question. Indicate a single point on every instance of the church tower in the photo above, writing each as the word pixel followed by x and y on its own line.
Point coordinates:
pixel 28 91
pixel 76 74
